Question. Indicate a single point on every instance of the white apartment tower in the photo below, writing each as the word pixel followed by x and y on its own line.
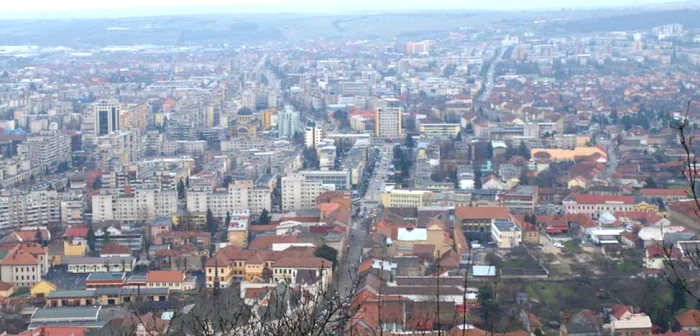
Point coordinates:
pixel 388 122
pixel 240 195
pixel 33 208
pixel 300 193
pixel 46 149
pixel 287 122
pixel 312 136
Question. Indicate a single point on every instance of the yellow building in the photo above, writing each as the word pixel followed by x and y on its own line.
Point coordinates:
pixel 442 131
pixel 400 198
pixel 195 221
pixel 577 182
pixel 434 234
pixel 74 250
pixel 266 119
pixel 42 289
pixel 254 268
pixel 644 206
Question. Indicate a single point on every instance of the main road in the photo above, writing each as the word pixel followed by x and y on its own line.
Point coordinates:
pixel 489 81
pixel 359 226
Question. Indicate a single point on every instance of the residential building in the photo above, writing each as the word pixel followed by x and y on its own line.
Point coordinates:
pixel 312 136
pixel 400 198
pixel 311 269
pixel 132 240
pixel 173 280
pixel 240 195
pixel 520 200
pixel 388 122
pixel 288 122
pixel 689 321
pixel 47 149
pixel 300 193
pixel 593 205
pixel 238 228
pixel 29 208
pixel 476 222
pixel 99 265
pixel 575 154
pixel 23 264
pixel 505 233
pixel 668 195
pixel 232 264
pixel 340 179
pixel 439 131
pixel 141 205
pixel 634 324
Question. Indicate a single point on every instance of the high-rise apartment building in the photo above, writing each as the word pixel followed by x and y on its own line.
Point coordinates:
pixel 138 206
pixel 288 122
pixel 33 208
pixel 312 136
pixel 300 193
pixel 388 122
pixel 46 149
pixel 106 116
pixel 240 195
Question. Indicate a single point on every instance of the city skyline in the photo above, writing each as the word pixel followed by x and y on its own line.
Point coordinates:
pixel 82 8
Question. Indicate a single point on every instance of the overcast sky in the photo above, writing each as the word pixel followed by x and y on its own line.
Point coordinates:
pixel 152 7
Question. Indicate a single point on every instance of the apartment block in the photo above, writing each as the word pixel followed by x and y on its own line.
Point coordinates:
pixel 137 206
pixel 46 149
pixel 29 208
pixel 238 196
pixel 388 122
pixel 300 193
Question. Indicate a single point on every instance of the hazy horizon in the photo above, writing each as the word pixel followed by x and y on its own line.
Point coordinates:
pixel 126 8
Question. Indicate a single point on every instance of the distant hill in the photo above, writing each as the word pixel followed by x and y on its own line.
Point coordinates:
pixel 689 18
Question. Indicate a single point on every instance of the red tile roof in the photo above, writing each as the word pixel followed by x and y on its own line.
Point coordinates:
pixel 481 212
pixel 690 318
pixel 306 263
pixel 26 235
pixel 77 232
pixel 165 276
pixel 5 286
pixel 115 248
pixel 19 257
pixel 618 310
pixel 663 192
pixel 266 242
pixel 262 228
pixel 55 331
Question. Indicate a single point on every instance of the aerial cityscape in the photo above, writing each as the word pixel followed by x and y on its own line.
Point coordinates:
pixel 420 172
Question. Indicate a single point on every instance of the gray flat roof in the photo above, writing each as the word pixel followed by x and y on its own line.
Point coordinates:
pixel 66 314
pixel 504 225
pixel 65 294
pixel 137 278
pixel 106 276
pixel 79 324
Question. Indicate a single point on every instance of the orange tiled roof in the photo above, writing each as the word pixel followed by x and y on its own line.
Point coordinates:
pixel 165 276
pixel 115 248
pixel 481 212
pixel 690 318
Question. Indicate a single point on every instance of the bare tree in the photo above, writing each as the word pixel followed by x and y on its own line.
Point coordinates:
pixel 678 274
